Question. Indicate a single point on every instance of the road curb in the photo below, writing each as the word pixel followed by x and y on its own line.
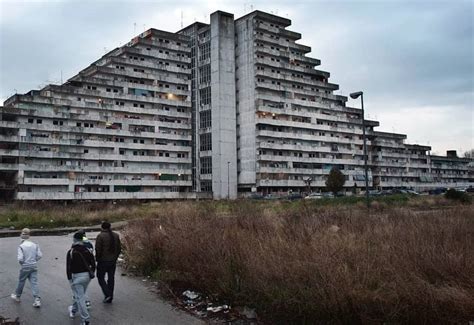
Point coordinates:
pixel 58 231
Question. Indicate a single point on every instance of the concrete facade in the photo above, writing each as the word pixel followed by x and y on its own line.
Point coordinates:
pixel 215 110
pixel 119 129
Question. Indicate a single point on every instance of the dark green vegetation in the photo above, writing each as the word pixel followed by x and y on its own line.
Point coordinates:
pixel 462 197
pixel 335 181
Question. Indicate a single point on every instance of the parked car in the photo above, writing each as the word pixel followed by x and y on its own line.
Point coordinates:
pixel 271 197
pixel 438 191
pixel 328 195
pixel 375 193
pixel 256 196
pixel 412 192
pixel 470 189
pixel 294 196
pixel 314 196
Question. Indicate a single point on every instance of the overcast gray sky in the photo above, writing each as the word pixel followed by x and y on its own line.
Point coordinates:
pixel 413 59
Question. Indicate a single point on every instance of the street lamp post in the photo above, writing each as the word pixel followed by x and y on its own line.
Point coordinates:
pixel 355 96
pixel 228 181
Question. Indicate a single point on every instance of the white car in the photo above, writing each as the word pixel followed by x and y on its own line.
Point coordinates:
pixel 314 196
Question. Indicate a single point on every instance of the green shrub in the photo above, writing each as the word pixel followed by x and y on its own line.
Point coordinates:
pixel 462 197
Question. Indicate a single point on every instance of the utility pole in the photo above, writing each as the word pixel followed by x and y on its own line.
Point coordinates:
pixel 366 172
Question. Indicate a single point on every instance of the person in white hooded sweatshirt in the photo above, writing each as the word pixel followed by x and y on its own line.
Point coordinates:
pixel 29 254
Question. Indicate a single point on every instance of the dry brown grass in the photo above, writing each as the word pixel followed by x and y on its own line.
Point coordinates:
pixel 294 266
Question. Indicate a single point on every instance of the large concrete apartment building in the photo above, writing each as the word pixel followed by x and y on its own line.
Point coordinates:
pixel 214 110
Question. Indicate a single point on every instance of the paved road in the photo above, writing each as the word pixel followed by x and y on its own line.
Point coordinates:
pixel 134 302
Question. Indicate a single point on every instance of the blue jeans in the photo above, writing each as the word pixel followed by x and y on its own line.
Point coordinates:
pixel 79 284
pixel 30 273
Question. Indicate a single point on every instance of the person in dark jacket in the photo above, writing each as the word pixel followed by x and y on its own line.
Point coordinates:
pixel 90 247
pixel 80 267
pixel 107 251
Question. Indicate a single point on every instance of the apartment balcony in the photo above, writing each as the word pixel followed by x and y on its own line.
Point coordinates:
pixel 267 27
pixel 8 167
pixel 161 134
pixel 308 137
pixel 9 152
pixel 298 102
pixel 286 183
pixel 148 66
pixel 104 195
pixel 73 143
pixel 9 124
pixel 103 182
pixel 286 87
pixel 45 181
pixel 447 167
pixel 307 171
pixel 329 161
pixel 307 148
pixel 102 157
pixel 284 76
pixel 269 120
pixel 134 170
pixel 180 48
pixel 313 113
pixel 9 138
pixel 402 173
pixel 290 67
pixel 400 164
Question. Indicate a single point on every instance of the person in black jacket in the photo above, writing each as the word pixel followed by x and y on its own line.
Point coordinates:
pixel 107 251
pixel 80 268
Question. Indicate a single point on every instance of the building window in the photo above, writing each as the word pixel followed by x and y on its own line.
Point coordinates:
pixel 205 142
pixel 205 119
pixel 205 96
pixel 204 51
pixel 206 165
pixel 206 186
pixel 205 74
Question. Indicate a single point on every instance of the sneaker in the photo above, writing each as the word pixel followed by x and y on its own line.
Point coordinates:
pixel 72 313
pixel 15 297
pixel 88 304
pixel 37 303
pixel 86 322
pixel 107 300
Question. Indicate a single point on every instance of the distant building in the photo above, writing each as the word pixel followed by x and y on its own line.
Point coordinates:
pixel 215 110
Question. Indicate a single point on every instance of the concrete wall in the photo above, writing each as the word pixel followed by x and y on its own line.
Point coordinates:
pixel 245 84
pixel 224 152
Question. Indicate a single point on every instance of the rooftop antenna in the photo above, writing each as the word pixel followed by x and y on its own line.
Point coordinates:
pixel 105 50
pixel 181 19
pixel 144 27
pixel 61 77
pixel 251 7
pixel 134 29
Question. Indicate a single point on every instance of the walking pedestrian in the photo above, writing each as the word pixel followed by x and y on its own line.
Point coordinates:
pixel 90 247
pixel 107 251
pixel 29 254
pixel 80 268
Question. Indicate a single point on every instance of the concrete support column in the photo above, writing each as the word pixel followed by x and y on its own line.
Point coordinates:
pixel 224 150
